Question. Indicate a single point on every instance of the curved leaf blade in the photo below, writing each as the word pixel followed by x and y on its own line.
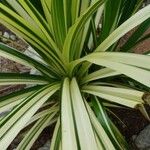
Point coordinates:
pixel 132 22
pixel 67 122
pixel 11 125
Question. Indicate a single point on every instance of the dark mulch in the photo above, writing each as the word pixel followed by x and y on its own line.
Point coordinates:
pixel 132 121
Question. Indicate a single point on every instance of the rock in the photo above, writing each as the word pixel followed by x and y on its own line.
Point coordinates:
pixel 100 25
pixel 13 37
pixel 147 2
pixel 46 146
pixel 142 141
pixel 2 114
pixel 6 37
pixel 33 54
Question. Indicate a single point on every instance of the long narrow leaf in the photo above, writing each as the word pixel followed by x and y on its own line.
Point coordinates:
pixel 103 140
pixel 15 78
pixel 20 115
pixel 58 20
pixel 134 21
pixel 56 136
pixel 126 97
pixel 102 73
pixel 67 121
pixel 75 30
pixel 34 132
pixel 9 101
pixel 86 139
pixel 136 35
pixel 17 56
pixel 132 68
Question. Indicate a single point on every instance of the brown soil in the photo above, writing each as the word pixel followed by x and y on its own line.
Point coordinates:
pixel 132 121
pixel 139 48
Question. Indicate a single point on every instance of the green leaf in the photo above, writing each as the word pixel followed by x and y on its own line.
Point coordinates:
pixel 75 10
pixel 45 47
pixel 129 8
pixel 58 21
pixel 136 36
pixel 15 121
pixel 114 135
pixel 137 60
pixel 110 18
pixel 103 140
pixel 16 78
pixel 34 132
pixel 83 124
pixel 135 67
pixel 17 7
pixel 67 121
pixel 67 13
pixel 102 73
pixel 84 5
pixel 126 97
pixel 15 55
pixel 52 109
pixel 39 21
pixel 13 99
pixel 74 31
pixel 55 144
pixel 132 22
pixel 47 11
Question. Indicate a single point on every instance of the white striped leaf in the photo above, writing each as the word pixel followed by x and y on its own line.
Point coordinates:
pixel 55 144
pixel 35 131
pixel 15 55
pixel 126 97
pixel 37 116
pixel 132 22
pixel 112 132
pixel 102 73
pixel 16 78
pixel 74 31
pixel 131 69
pixel 104 140
pixel 11 125
pixel 9 101
pixel 87 140
pixel 67 122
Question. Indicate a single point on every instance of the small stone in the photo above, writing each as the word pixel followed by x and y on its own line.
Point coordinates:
pixel 6 37
pixel 13 37
pixel 2 114
pixel 134 137
pixel 143 139
pixel 100 25
pixel 46 146
pixel 33 54
pixel 43 148
pixel 35 72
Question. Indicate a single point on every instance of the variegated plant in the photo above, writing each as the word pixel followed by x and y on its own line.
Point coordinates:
pixel 83 71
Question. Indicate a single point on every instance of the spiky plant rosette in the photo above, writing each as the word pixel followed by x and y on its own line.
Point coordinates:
pixel 83 71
